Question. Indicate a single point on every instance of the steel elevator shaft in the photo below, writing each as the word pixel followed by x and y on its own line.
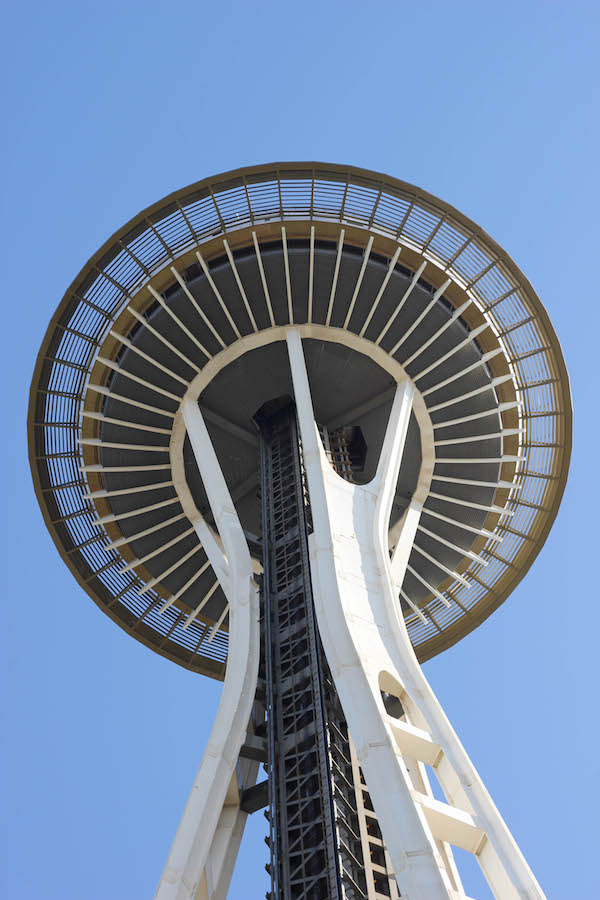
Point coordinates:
pixel 319 834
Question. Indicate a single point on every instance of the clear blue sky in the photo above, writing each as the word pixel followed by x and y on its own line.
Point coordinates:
pixel 107 107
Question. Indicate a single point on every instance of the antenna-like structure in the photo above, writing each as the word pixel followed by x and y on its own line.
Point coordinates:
pixel 300 428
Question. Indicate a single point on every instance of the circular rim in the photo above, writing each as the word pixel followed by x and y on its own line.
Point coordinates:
pixel 364 202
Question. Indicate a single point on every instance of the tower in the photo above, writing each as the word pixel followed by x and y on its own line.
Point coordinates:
pixel 301 427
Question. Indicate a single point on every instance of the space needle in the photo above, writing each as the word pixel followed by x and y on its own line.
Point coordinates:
pixel 301 427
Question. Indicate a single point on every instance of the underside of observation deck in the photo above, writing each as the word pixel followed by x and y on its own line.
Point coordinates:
pixel 359 256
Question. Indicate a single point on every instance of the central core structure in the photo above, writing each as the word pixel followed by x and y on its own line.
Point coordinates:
pixel 300 428
pixel 322 843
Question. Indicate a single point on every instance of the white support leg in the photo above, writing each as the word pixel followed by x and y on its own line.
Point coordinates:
pixel 185 869
pixel 355 587
pixel 228 835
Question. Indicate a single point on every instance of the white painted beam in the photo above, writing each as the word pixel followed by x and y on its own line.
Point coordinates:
pixel 358 282
pixel 172 568
pixel 336 272
pixel 157 550
pixel 500 510
pixel 178 321
pixel 288 286
pixel 143 321
pixel 419 319
pixel 152 486
pixel 455 315
pixel 100 389
pixel 141 534
pixel 238 281
pixel 100 417
pixel 198 309
pixel 381 290
pixel 187 861
pixel 175 597
pixel 127 374
pixel 476 365
pixel 468 340
pixel 153 362
pixel 263 279
pixel 217 294
pixel 117 517
pixel 403 300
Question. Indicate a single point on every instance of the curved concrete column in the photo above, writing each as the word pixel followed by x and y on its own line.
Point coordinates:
pixel 355 587
pixel 204 820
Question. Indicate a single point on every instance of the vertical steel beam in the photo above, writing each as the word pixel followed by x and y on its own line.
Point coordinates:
pixel 305 856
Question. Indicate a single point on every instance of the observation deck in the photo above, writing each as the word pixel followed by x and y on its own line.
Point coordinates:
pixel 191 299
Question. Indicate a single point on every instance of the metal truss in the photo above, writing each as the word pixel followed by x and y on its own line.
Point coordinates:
pixel 315 842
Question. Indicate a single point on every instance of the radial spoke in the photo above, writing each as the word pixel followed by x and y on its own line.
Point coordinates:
pixel 479 531
pixel 94 495
pixel 502 407
pixel 483 460
pixel 441 540
pixel 420 318
pixel 238 281
pixel 201 605
pixel 429 587
pixel 414 607
pixel 288 286
pixel 476 365
pixel 100 389
pixel 157 550
pixel 96 467
pixel 182 590
pixel 114 517
pixel 509 485
pixel 405 297
pixel 178 321
pixel 384 284
pixel 311 272
pixel 135 537
pixel 143 321
pixel 263 279
pixel 131 346
pixel 150 584
pixel 494 435
pixel 198 309
pixel 363 267
pixel 499 510
pixel 455 315
pixel 115 445
pixel 100 417
pixel 218 623
pixel 336 272
pixel 217 294
pixel 481 390
pixel 151 387
pixel 441 566
pixel 472 335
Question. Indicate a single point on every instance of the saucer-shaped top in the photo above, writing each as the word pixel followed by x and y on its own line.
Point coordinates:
pixel 192 298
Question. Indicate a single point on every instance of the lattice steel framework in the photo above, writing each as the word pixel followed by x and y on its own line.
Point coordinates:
pixel 315 833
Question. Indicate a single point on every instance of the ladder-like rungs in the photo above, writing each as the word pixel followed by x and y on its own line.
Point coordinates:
pixel 416 742
pixel 447 822
pixel 450 824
